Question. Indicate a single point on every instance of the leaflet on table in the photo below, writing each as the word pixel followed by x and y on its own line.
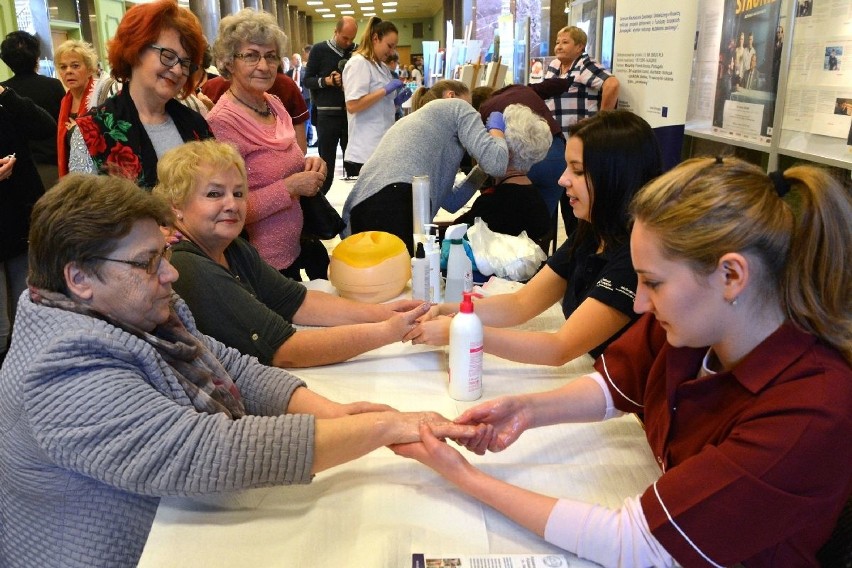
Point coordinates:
pixel 489 561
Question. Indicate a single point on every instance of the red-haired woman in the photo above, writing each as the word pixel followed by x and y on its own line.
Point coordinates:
pixel 155 52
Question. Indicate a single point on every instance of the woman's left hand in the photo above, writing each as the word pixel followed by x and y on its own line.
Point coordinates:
pixel 434 453
pixel 305 184
pixel 316 164
pixel 7 164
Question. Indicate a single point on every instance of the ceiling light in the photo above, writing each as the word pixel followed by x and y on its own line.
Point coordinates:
pixel 388 3
pixel 322 10
pixel 328 15
pixel 343 5
pixel 389 10
pixel 368 14
pixel 314 3
pixel 347 12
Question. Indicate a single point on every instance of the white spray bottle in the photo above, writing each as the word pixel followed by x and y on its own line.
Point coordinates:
pixel 466 353
pixel 459 267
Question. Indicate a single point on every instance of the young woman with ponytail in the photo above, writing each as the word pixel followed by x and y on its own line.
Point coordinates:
pixel 740 369
pixel 370 91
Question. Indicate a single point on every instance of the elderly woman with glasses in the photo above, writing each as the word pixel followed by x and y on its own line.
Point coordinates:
pixel 247 51
pixel 155 52
pixel 110 398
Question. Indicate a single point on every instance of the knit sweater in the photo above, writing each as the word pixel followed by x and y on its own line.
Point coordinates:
pixel 431 141
pixel 95 428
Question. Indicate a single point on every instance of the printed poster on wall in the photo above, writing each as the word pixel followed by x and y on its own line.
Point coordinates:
pixel 749 64
pixel 653 58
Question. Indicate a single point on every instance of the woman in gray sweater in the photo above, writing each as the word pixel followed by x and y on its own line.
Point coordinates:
pixel 431 141
pixel 110 398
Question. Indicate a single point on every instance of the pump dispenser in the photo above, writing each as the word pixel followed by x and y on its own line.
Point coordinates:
pixel 459 267
pixel 433 256
pixel 466 350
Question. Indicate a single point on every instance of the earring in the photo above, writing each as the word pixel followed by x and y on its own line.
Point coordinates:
pixel 180 217
pixel 733 302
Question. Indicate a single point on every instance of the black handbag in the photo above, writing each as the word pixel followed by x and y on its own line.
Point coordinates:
pixel 320 218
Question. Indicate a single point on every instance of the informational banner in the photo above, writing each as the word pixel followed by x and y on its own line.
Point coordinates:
pixel 653 58
pixel 819 101
pixel 749 63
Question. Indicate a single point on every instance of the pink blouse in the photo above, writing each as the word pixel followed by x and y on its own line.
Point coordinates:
pixel 274 218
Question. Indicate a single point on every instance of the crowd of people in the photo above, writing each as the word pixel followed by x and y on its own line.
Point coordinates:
pixel 152 245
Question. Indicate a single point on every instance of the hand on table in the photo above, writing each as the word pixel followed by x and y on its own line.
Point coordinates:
pixel 7 164
pixel 403 305
pixel 403 323
pixel 408 428
pixel 434 453
pixel 431 331
pixel 508 416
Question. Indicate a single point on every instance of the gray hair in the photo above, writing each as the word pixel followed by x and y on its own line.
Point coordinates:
pixel 527 135
pixel 246 26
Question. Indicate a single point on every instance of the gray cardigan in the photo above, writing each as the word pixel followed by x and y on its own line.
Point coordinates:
pixel 94 429
pixel 431 141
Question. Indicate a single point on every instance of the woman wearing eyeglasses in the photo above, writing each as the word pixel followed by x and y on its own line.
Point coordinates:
pixel 110 398
pixel 155 52
pixel 247 52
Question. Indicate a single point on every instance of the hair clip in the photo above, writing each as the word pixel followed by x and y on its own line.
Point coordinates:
pixel 782 184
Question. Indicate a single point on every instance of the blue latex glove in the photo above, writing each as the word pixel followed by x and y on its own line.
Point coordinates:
pixel 393 85
pixel 495 121
pixel 403 96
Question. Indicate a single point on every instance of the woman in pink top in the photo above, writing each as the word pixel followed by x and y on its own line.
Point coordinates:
pixel 247 51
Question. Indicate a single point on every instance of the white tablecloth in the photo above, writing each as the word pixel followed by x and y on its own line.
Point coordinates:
pixel 379 509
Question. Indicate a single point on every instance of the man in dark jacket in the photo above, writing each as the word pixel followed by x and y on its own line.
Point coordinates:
pixel 324 77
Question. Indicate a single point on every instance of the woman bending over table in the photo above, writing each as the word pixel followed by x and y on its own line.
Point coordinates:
pixel 238 298
pixel 740 368
pixel 431 141
pixel 609 158
pixel 110 398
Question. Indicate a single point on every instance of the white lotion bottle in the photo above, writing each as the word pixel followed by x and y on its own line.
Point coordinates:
pixel 459 267
pixel 465 373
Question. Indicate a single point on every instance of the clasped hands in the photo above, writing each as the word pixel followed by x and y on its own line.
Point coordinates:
pixel 309 181
pixel 497 424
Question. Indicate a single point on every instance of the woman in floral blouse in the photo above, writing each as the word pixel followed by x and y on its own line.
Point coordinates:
pixel 155 53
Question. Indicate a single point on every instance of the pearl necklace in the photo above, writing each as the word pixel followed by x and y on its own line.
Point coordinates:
pixel 263 113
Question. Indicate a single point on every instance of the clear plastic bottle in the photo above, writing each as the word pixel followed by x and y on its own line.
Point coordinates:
pixel 459 267
pixel 465 374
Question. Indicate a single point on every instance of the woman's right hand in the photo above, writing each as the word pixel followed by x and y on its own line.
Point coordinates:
pixel 304 184
pixel 432 332
pixel 434 453
pixel 7 164
pixel 508 415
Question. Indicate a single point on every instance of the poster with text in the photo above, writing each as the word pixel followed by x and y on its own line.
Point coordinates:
pixel 749 64
pixel 650 62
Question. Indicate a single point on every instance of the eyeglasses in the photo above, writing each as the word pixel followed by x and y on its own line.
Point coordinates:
pixel 151 266
pixel 170 57
pixel 253 58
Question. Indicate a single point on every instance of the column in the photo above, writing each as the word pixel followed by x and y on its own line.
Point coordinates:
pixel 209 15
